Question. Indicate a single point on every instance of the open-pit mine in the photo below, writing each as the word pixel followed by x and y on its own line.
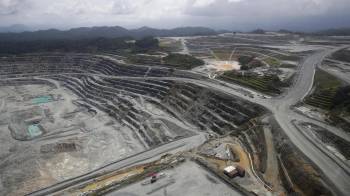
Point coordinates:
pixel 244 122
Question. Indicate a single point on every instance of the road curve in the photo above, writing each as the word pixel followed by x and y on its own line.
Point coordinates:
pixel 284 115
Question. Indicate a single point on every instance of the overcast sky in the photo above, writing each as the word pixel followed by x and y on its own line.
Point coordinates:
pixel 218 14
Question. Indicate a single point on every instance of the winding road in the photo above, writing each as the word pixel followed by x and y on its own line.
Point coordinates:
pixel 284 115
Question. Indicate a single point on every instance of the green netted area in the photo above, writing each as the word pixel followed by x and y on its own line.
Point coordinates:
pixel 42 99
pixel 34 130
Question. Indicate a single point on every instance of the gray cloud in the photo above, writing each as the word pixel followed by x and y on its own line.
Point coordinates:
pixel 10 7
pixel 230 14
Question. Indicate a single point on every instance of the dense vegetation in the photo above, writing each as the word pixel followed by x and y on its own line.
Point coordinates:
pixel 89 39
pixel 244 60
pixel 83 45
pixel 144 59
pixel 182 61
pixel 146 44
pixel 342 55
pixel 249 62
pixel 173 60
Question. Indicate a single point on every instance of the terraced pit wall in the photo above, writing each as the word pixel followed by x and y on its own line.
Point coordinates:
pixel 93 80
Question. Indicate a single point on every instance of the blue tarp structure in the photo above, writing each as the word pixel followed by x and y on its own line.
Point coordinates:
pixel 42 99
pixel 34 130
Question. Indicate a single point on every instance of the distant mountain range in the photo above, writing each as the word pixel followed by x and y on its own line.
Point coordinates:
pixel 335 32
pixel 105 32
pixel 20 32
pixel 15 28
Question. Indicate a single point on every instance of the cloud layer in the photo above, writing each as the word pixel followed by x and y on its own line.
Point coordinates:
pixel 229 14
